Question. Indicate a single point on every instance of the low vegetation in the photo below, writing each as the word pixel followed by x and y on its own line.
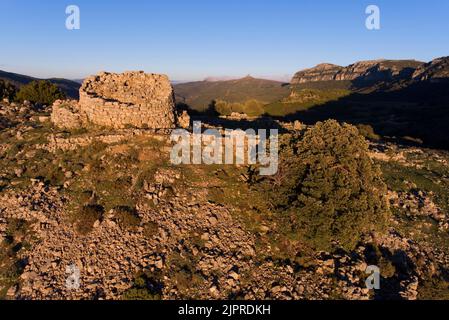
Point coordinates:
pixel 7 90
pixel 146 286
pixel 304 99
pixel 326 196
pixel 327 190
pixel 127 217
pixel 18 239
pixel 42 92
pixel 251 107
pixel 87 216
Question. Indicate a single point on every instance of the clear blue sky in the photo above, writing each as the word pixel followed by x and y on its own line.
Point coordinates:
pixel 193 39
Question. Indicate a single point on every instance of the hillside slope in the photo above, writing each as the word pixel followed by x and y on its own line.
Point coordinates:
pixel 198 95
pixel 405 99
pixel 68 86
pixel 106 201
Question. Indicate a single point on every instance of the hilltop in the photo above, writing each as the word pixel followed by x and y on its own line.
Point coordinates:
pixel 104 197
pixel 199 95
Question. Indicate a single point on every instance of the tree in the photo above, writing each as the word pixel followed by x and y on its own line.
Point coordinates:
pixel 328 187
pixel 42 91
pixel 7 90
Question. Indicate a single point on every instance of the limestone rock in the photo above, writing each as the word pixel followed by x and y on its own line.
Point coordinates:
pixel 184 120
pixel 371 71
pixel 66 114
pixel 130 99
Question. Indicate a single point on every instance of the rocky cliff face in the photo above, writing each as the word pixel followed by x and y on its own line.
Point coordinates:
pixel 322 72
pixel 434 70
pixel 361 72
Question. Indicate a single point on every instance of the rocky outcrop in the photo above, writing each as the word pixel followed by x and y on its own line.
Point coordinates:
pixel 184 120
pixel 322 72
pixel 378 70
pixel 130 99
pixel 362 72
pixel 435 70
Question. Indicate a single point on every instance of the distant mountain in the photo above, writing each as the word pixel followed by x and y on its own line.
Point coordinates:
pixel 397 98
pixel 359 75
pixel 434 70
pixel 198 95
pixel 80 81
pixel 70 87
pixel 173 82
pixel 224 78
pixel 381 76
pixel 280 78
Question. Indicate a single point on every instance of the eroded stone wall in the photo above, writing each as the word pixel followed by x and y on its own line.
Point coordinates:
pixel 130 99
pixel 66 114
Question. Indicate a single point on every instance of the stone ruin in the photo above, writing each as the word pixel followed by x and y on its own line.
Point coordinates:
pixel 130 99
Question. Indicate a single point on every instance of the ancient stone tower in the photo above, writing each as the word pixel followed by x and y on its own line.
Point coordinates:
pixel 130 99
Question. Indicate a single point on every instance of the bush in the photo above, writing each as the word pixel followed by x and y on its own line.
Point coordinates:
pixel 7 90
pixel 327 188
pixel 87 216
pixel 43 92
pixel 367 131
pixel 251 107
pixel 127 217
pixel 146 287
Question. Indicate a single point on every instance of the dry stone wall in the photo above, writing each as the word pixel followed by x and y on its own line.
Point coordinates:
pixel 130 99
pixel 66 114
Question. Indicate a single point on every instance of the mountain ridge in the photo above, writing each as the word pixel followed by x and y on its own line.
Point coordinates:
pixel 361 73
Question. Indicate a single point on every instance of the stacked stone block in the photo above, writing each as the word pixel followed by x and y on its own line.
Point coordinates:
pixel 130 99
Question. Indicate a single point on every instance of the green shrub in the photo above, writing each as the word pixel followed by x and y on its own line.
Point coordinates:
pixel 327 189
pixel 145 287
pixel 43 92
pixel 367 131
pixel 250 107
pixel 7 90
pixel 87 216
pixel 150 229
pixel 223 108
pixel 126 217
pixel 18 236
pixel 387 268
pixel 253 107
